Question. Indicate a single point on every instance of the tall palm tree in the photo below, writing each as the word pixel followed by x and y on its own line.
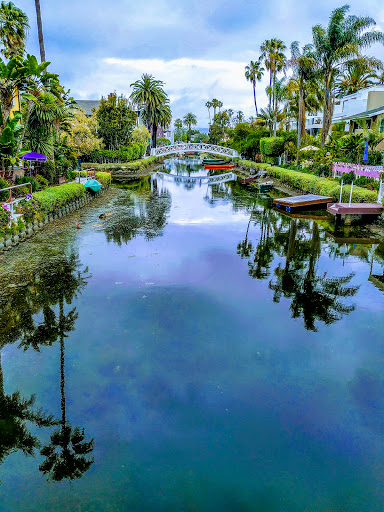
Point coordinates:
pixel 272 53
pixel 342 40
pixel 209 106
pixel 161 115
pixel 240 116
pixel 303 64
pixel 358 74
pixel 189 120
pixel 40 30
pixel 13 29
pixel 149 94
pixel 178 125
pixel 253 73
pixel 215 103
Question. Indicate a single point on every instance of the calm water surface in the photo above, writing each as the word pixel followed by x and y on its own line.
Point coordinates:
pixel 194 351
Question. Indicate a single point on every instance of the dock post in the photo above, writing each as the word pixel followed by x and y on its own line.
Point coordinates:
pixel 341 191
pixel 350 194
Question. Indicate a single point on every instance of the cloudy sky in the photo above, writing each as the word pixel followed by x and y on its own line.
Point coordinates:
pixel 198 48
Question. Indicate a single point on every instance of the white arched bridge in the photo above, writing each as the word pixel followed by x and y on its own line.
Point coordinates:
pixel 193 147
pixel 222 178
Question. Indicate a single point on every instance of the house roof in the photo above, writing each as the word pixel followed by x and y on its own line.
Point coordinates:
pixel 88 105
pixel 361 115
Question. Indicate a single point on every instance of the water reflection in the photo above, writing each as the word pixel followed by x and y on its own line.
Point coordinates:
pixel 144 211
pixel 28 313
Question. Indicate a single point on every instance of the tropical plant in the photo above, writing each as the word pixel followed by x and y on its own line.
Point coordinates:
pixel 254 73
pixel 141 135
pixel 189 120
pixel 82 138
pixel 334 46
pixel 272 54
pixel 13 29
pixel 161 115
pixel 216 104
pixel 178 125
pixel 358 74
pixel 209 106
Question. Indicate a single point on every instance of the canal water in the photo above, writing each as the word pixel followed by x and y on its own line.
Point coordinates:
pixel 194 350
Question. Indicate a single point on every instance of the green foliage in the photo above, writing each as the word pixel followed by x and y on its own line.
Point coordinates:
pixel 4 184
pixel 125 154
pixel 116 121
pixel 52 198
pixel 48 171
pixel 272 146
pixel 43 183
pixel 5 216
pixel 103 177
pixel 162 141
pixel 141 135
pixel 375 157
pixel 27 179
pixel 138 165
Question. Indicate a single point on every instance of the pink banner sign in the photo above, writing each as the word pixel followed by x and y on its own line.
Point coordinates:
pixel 370 171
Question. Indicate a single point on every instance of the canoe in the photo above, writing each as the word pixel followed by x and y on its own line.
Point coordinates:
pixel 93 185
pixel 213 166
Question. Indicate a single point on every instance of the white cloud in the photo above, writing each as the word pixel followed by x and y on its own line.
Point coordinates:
pixel 189 83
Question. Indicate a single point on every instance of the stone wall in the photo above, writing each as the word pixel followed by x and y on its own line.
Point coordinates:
pixel 7 241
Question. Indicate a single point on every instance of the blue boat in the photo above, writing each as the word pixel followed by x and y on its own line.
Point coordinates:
pixel 93 185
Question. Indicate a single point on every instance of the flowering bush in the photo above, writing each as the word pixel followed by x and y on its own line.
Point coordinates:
pixel 5 217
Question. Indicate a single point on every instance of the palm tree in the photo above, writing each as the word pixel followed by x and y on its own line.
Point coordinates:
pixel 266 117
pixel 190 120
pixel 209 106
pixel 149 94
pixel 272 53
pixel 161 115
pixel 40 30
pixel 358 74
pixel 13 30
pixel 178 125
pixel 240 116
pixel 303 65
pixel 342 40
pixel 216 104
pixel 254 73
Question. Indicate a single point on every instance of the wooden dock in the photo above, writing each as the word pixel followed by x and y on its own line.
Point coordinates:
pixel 355 208
pixel 305 201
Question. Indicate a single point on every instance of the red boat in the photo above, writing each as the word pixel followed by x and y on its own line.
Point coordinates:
pixel 225 166
pixel 190 153
pixel 248 180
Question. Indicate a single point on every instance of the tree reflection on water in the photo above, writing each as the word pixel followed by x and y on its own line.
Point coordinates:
pixel 314 296
pixel 145 213
pixel 45 286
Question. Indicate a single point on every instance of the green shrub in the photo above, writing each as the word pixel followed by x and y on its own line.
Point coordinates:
pixel 26 179
pixel 48 171
pixel 137 166
pixel 375 157
pixel 43 183
pixel 122 155
pixel 4 184
pixel 5 216
pixel 103 177
pixel 272 146
pixel 162 141
pixel 52 198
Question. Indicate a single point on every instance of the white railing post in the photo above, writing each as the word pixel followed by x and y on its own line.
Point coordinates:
pixel 341 191
pixel 350 194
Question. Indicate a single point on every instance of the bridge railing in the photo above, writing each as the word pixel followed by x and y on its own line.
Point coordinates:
pixel 221 178
pixel 192 146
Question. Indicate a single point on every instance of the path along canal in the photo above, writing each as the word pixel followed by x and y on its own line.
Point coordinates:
pixel 194 351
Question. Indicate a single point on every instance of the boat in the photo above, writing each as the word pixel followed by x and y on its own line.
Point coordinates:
pixel 224 166
pixel 250 179
pixel 265 187
pixel 214 161
pixel 93 185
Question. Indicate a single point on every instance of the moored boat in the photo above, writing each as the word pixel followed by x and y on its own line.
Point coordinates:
pixel 265 187
pixel 250 179
pixel 214 161
pixel 224 166
pixel 93 185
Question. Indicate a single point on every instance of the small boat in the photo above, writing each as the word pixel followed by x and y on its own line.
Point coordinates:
pixel 224 166
pixel 265 187
pixel 250 179
pixel 214 161
pixel 190 153
pixel 93 185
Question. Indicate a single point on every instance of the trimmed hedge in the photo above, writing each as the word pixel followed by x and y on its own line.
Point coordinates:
pixel 132 166
pixel 103 177
pixel 52 198
pixel 311 184
pixel 125 154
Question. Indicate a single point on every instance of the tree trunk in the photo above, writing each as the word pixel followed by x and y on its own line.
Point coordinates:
pixel 300 123
pixel 154 135
pixel 274 103
pixel 62 366
pixel 40 31
pixel 327 115
pixel 209 114
pixel 270 85
pixel 254 97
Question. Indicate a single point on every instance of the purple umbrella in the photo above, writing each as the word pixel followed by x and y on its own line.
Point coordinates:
pixel 34 156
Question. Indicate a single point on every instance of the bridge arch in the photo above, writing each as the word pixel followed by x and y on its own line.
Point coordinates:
pixel 196 147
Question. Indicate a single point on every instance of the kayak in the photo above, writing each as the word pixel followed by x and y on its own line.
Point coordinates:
pixel 93 185
pixel 213 161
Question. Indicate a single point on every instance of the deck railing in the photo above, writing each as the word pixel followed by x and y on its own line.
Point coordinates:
pixel 8 205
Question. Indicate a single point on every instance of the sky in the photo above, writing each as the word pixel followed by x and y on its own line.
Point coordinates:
pixel 199 49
